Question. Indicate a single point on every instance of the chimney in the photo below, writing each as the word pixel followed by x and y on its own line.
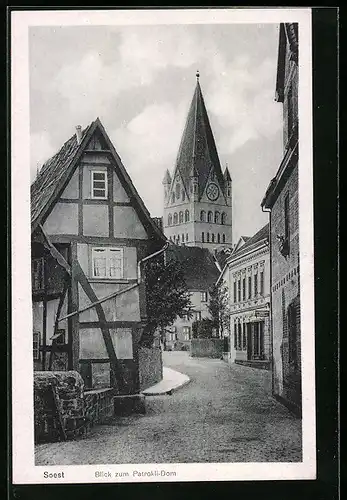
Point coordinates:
pixel 79 134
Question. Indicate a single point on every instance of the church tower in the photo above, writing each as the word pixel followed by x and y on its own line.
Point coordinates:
pixel 198 196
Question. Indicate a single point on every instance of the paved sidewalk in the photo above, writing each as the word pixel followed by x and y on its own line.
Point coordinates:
pixel 172 380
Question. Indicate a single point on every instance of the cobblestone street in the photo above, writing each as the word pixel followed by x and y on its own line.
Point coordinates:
pixel 224 414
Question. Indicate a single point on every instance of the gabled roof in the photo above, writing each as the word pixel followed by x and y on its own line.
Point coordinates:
pixel 262 234
pixel 199 267
pixel 58 170
pixel 52 174
pixel 197 148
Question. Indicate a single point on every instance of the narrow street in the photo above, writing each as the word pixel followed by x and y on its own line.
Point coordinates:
pixel 224 414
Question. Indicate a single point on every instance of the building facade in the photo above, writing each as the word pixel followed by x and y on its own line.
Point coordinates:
pixel 246 275
pixel 90 232
pixel 198 196
pixel 281 200
pixel 201 271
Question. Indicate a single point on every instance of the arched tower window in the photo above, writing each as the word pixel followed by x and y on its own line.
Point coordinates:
pixel 182 238
pixel 202 215
pixel 210 217
pixel 173 198
pixel 223 218
pixel 178 191
pixel 183 195
pixel 212 237
pixel 216 217
pixel 203 237
pixel 218 238
pixel 178 239
pixel 175 218
pixel 208 237
pixel 181 217
pixel 223 238
pixel 186 216
pixel 169 220
pixel 186 237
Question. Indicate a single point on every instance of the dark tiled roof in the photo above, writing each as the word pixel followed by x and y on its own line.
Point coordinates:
pixel 51 175
pixel 199 267
pixel 256 238
pixel 198 149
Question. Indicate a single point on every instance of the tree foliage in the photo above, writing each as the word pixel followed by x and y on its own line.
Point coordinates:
pixel 167 296
pixel 218 306
pixel 203 329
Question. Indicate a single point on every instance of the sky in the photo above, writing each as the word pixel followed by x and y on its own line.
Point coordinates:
pixel 140 80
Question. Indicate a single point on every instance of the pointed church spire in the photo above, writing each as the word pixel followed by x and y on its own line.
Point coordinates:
pixel 167 177
pixel 198 148
pixel 227 176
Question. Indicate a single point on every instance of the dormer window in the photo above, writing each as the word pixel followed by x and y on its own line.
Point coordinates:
pixel 99 184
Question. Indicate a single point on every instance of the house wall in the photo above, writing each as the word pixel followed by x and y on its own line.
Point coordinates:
pixel 285 288
pixel 252 310
pixel 177 337
pixel 84 223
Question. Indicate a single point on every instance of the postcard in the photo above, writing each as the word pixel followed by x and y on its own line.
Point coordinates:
pixel 162 246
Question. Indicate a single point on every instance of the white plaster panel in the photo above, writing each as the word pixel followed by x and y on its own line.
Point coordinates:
pixel 72 189
pixel 63 219
pixel 127 224
pixel 95 220
pixel 119 194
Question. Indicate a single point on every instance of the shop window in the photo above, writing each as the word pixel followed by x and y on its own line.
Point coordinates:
pixel 244 342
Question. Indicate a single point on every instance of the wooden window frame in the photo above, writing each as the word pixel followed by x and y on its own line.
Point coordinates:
pixel 108 251
pixel 92 180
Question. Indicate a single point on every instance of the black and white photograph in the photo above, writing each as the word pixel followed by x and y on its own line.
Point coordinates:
pixel 163 213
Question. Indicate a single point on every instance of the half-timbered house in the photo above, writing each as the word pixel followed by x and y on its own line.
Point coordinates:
pixel 90 234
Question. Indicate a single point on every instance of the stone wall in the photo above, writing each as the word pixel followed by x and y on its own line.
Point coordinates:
pixel 61 408
pixel 207 348
pixel 150 366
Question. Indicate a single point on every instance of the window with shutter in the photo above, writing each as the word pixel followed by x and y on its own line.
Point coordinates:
pixel 107 263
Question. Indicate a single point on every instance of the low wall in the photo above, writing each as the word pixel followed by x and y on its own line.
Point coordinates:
pixel 150 367
pixel 62 409
pixel 207 348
